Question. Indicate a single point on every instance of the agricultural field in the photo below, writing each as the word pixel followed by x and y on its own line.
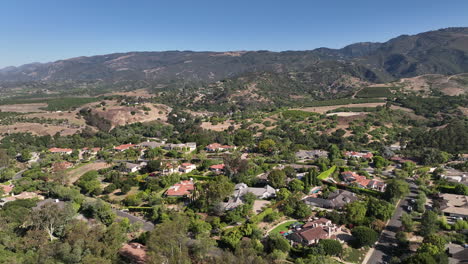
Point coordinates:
pixel 374 92
pixel 325 109
pixel 23 108
pixel 68 103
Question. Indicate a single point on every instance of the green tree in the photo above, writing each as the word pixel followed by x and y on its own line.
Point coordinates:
pixel 334 152
pixel 356 212
pixel 380 209
pixel 277 178
pixel 461 189
pixel 364 236
pixel 420 258
pixel 420 204
pixel 276 241
pixel 26 155
pixel 331 247
pixel 429 223
pixel 407 222
pixel 283 194
pixel 52 218
pixel 89 183
pixel 211 193
pixel 396 189
pixel 267 146
pixel 154 153
pixel 436 240
pixel 380 162
pixel 167 243
pixel 296 185
pixel 100 210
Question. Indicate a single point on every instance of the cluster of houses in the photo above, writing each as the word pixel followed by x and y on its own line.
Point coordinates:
pixel 352 178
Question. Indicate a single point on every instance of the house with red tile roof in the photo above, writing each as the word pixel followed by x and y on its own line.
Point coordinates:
pixel 169 168
pixel 187 167
pixel 61 150
pixel 218 147
pixel 124 147
pixel 218 168
pixel 350 177
pixel 309 236
pixel 362 155
pixel 181 189
pixel 92 151
pixel 23 195
pixel 313 231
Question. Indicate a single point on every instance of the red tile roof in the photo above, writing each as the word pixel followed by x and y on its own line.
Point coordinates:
pixel 60 150
pixel 7 188
pixel 213 146
pixel 92 149
pixel 314 234
pixel 182 188
pixel 124 147
pixel 217 167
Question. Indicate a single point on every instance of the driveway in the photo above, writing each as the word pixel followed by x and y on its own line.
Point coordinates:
pixel 386 246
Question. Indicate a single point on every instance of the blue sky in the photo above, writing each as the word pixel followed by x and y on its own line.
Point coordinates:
pixel 48 30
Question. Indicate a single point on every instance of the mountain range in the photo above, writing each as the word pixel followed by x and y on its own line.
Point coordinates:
pixel 442 51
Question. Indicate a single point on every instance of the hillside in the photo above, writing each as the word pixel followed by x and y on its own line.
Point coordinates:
pixel 443 51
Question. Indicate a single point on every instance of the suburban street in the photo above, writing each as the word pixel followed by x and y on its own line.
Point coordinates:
pixel 383 251
pixel 146 226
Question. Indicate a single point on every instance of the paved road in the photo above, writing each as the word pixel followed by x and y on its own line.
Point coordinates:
pixel 18 175
pixel 384 250
pixel 147 226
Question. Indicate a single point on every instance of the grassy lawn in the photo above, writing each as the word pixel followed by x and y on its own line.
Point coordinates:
pixel 327 173
pixel 354 255
pixel 284 226
pixel 118 198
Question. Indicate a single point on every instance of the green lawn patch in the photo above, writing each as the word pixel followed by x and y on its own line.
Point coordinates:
pixel 284 226
pixel 322 176
pixel 298 114
pixel 354 255
pixel 373 92
pixel 53 104
pixel 68 103
pixel 260 216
